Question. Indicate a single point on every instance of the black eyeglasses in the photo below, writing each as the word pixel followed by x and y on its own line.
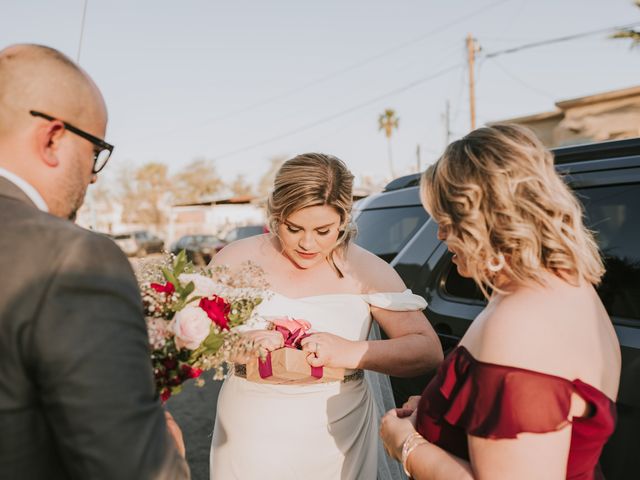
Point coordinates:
pixel 102 150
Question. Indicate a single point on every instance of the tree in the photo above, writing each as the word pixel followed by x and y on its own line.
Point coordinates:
pixel 388 121
pixel 153 194
pixel 127 194
pixel 196 182
pixel 266 181
pixel 240 186
pixel 631 33
pixel 145 194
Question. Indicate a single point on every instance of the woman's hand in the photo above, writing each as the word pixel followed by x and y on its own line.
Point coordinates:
pixel 260 343
pixel 328 350
pixel 412 403
pixel 395 429
pixel 175 432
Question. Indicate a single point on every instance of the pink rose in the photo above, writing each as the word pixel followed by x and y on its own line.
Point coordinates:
pixel 203 286
pixel 191 326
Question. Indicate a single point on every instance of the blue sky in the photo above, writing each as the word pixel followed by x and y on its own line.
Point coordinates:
pixel 191 79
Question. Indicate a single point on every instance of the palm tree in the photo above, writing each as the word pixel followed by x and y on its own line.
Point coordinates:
pixel 631 33
pixel 388 121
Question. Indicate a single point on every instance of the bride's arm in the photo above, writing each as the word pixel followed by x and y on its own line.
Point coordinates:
pixel 413 347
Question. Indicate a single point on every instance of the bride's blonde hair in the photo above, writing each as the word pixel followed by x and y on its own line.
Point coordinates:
pixel 498 193
pixel 309 180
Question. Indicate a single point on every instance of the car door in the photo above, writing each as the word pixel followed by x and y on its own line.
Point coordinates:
pixel 611 201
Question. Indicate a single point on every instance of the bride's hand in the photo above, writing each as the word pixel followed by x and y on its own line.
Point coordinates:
pixel 328 350
pixel 262 342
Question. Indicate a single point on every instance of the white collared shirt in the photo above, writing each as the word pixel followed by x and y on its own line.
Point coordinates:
pixel 26 187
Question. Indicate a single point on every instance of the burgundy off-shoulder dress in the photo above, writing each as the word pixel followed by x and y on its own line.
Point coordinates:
pixel 486 400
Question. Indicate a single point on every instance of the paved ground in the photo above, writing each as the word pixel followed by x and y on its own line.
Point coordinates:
pixel 194 409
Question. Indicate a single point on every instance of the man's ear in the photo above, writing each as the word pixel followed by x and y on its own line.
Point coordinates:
pixel 48 137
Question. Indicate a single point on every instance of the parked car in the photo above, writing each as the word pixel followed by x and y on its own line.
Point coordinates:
pixel 198 248
pixel 139 243
pixel 606 178
pixel 239 233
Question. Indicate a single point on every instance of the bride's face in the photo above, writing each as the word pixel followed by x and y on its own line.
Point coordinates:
pixel 309 235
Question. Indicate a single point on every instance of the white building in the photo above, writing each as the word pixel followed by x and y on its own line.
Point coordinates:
pixel 215 217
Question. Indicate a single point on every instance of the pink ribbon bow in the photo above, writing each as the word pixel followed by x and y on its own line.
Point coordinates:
pixel 293 331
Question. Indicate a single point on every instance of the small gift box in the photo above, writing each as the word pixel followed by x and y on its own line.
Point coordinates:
pixel 288 365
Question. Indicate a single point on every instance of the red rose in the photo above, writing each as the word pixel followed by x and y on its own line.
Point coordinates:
pixel 190 372
pixel 165 394
pixel 167 288
pixel 217 310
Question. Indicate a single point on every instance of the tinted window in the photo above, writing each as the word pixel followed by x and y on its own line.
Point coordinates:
pixel 613 212
pixel 385 231
pixel 461 287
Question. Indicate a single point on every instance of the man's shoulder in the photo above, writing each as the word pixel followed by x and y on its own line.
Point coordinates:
pixel 69 233
pixel 32 232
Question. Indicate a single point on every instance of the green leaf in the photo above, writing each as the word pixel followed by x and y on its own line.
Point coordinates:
pixel 170 277
pixel 180 263
pixel 188 289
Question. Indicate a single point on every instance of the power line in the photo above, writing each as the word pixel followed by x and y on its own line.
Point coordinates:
pixel 84 16
pixel 354 66
pixel 550 41
pixel 522 82
pixel 326 119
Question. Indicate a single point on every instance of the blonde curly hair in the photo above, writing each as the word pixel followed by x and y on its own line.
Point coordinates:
pixel 498 194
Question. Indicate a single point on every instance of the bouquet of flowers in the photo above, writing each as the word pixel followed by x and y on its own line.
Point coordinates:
pixel 191 318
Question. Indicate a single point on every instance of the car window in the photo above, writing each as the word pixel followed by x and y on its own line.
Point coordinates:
pixel 385 232
pixel 246 232
pixel 613 213
pixel 461 287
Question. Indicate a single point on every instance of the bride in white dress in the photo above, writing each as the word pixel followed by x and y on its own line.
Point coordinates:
pixel 322 431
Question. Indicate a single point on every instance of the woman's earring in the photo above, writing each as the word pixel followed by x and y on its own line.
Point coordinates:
pixel 495 264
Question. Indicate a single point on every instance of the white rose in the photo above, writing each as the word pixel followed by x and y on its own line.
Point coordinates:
pixel 204 286
pixel 191 326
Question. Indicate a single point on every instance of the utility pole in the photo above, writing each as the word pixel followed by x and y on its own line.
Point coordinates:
pixel 446 117
pixel 418 161
pixel 471 51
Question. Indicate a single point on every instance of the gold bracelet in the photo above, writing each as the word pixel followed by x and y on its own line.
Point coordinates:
pixel 408 446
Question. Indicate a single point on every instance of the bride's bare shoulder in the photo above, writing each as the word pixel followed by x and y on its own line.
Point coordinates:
pixel 374 274
pixel 254 248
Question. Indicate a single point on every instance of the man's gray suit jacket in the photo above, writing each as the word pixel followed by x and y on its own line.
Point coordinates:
pixel 77 398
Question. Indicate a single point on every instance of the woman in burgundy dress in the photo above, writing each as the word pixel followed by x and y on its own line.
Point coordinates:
pixel 529 392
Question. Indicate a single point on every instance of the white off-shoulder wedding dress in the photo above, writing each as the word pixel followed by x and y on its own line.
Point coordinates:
pixel 326 431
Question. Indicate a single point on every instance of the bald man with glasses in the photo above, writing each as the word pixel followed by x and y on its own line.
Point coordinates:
pixel 77 397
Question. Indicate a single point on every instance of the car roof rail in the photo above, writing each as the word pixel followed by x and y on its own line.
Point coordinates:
pixel 597 151
pixel 412 180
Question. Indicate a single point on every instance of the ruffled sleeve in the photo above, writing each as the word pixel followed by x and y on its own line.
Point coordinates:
pixel 396 301
pixel 492 401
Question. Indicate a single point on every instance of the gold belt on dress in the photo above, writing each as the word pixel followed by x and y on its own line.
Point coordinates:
pixel 240 370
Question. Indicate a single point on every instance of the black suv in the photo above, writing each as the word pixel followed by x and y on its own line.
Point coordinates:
pixel 606 178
